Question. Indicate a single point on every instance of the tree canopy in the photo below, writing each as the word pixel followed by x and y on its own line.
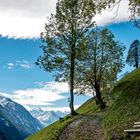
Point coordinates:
pixel 101 60
pixel 61 37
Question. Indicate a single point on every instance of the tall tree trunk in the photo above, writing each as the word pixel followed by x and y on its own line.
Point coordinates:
pixel 72 88
pixel 72 85
pixel 97 103
pixel 98 96
pixel 72 61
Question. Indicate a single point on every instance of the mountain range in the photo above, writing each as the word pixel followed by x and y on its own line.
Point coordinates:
pixel 47 117
pixel 16 123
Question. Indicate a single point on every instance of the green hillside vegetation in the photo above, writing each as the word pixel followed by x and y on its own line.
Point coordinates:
pixel 88 107
pixel 126 107
pixel 53 131
pixel 121 115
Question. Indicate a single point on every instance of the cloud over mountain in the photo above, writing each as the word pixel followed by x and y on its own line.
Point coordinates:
pixel 43 95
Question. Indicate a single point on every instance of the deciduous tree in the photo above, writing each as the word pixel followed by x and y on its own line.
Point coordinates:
pixel 61 37
pixel 100 62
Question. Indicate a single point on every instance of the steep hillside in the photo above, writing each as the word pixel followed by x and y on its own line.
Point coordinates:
pixel 47 117
pixel 8 131
pixel 53 131
pixel 15 121
pixel 123 110
pixel 126 107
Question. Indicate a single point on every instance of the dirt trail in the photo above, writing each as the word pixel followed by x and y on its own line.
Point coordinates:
pixel 84 128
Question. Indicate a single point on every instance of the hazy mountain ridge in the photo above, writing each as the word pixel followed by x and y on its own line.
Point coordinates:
pixel 47 117
pixel 16 122
pixel 8 131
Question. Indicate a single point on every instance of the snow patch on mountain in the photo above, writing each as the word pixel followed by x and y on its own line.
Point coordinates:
pixel 12 113
pixel 47 117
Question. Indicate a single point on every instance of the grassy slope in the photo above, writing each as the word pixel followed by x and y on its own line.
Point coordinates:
pixel 126 109
pixel 88 107
pixel 121 115
pixel 53 131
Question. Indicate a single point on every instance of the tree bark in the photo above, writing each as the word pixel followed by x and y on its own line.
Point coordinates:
pixel 97 103
pixel 71 84
pixel 72 61
pixel 98 96
pixel 72 87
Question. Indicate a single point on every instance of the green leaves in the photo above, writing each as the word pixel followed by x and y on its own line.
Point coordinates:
pixel 64 33
pixel 133 57
pixel 101 60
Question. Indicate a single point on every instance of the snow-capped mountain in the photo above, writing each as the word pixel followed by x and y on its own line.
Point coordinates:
pixel 47 117
pixel 16 122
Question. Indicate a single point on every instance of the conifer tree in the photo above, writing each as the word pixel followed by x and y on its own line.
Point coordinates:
pixel 133 57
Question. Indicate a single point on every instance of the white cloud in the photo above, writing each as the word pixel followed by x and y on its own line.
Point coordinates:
pixel 115 14
pixel 10 65
pixel 44 95
pixel 24 64
pixel 32 8
pixel 26 19
pixel 62 109
pixel 59 87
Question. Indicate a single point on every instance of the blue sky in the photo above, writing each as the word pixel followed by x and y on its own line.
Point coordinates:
pixel 13 50
pixel 20 76
pixel 20 79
